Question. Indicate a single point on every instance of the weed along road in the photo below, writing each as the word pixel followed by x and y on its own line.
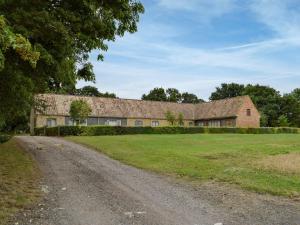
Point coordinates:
pixel 84 187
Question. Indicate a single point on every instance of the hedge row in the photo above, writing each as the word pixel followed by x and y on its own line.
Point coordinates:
pixel 4 138
pixel 111 130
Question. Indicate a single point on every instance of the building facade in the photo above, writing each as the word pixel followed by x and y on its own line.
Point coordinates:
pixel 231 112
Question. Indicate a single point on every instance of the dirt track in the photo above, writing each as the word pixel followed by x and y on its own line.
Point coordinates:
pixel 84 187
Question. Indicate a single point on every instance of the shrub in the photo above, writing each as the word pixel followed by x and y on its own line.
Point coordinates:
pixel 110 130
pixel 4 138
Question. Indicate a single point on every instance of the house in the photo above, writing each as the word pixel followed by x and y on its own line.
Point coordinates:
pixel 231 112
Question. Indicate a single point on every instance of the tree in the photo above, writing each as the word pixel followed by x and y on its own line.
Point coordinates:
pixel 88 91
pixel 50 42
pixel 227 91
pixel 267 101
pixel 173 95
pixel 107 95
pixel 79 110
pixel 290 108
pixel 157 94
pixel 283 121
pixel 263 120
pixel 93 91
pixel 190 98
pixel 170 117
pixel 180 119
pixel 14 101
pixel 296 94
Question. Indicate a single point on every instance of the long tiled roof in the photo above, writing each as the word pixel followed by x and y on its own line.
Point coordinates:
pixel 129 108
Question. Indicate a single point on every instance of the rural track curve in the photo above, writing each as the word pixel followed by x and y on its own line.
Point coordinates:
pixel 84 187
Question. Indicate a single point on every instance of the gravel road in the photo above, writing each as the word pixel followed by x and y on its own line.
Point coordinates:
pixel 84 187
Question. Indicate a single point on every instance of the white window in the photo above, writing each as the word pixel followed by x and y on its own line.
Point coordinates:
pixel 113 122
pixel 155 123
pixel 215 123
pixel 201 124
pixel 51 122
pixel 138 123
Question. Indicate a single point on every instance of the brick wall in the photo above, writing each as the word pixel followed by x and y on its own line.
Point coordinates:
pixel 244 120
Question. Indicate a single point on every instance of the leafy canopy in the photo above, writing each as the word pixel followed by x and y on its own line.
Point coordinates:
pixel 180 119
pixel 80 110
pixel 170 117
pixel 172 120
pixel 227 91
pixel 171 95
pixel 45 45
pixel 157 94
pixel 93 91
pixel 190 98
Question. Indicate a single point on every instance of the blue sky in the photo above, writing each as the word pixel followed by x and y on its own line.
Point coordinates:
pixel 196 45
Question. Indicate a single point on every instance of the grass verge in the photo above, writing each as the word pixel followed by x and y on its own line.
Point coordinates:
pixel 18 180
pixel 233 158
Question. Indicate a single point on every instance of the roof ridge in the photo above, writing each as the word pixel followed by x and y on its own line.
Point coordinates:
pixel 131 99
pixel 224 99
pixel 127 99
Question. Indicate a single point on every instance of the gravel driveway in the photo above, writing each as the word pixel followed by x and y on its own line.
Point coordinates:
pixel 84 187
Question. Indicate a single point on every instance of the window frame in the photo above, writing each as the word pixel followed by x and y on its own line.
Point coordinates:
pixel 51 122
pixel 138 123
pixel 248 112
pixel 154 123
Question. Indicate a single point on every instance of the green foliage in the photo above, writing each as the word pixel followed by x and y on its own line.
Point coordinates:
pixel 290 107
pixel 190 98
pixel 157 94
pixel 227 91
pixel 16 42
pixel 79 110
pixel 283 121
pixel 267 100
pixel 4 138
pixel 116 130
pixel 180 119
pixel 296 94
pixel 171 95
pixel 45 45
pixel 170 117
pixel 263 120
pixel 93 91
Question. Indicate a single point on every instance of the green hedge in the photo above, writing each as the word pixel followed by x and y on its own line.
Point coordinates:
pixel 4 138
pixel 110 130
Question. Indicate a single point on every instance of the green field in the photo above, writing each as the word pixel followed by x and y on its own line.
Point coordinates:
pixel 18 180
pixel 267 163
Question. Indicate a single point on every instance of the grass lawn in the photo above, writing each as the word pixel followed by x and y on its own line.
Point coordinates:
pixel 264 163
pixel 18 180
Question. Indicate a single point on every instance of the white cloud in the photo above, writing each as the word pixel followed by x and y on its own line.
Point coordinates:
pixel 204 10
pixel 151 58
pixel 281 16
